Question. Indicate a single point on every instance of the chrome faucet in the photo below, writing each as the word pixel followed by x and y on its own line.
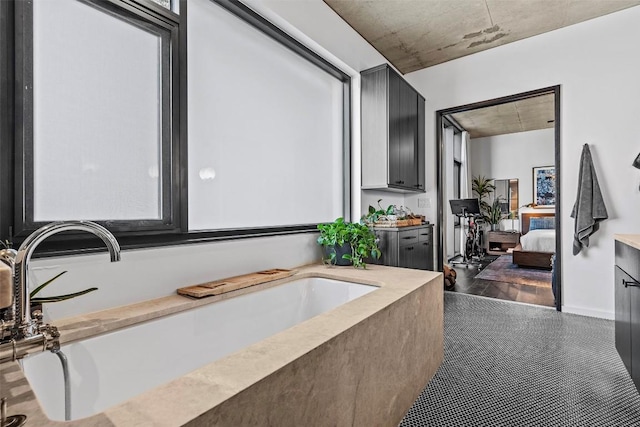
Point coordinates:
pixel 23 326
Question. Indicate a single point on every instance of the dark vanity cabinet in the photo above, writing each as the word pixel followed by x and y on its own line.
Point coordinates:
pixel 627 308
pixel 393 132
pixel 409 247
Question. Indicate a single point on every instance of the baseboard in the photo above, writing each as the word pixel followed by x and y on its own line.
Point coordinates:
pixel 601 314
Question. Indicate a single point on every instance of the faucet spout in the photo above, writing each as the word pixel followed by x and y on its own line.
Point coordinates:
pixel 23 257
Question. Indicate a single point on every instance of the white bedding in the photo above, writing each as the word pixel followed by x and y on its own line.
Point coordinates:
pixel 539 241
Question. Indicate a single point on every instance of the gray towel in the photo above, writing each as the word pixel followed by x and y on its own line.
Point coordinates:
pixel 589 208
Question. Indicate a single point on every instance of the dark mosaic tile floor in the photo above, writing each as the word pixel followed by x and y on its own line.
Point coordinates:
pixel 510 364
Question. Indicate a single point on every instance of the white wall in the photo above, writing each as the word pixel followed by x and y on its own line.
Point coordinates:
pixel 153 273
pixel 513 156
pixel 594 63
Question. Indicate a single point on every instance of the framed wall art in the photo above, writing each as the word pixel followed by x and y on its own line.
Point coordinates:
pixel 544 187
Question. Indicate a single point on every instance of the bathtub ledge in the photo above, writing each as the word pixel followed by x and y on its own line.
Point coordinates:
pixel 289 361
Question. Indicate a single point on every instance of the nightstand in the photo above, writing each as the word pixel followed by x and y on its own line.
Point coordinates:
pixel 498 242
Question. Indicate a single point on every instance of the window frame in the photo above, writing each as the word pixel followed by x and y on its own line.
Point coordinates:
pixel 138 234
pixel 170 125
pixel 457 174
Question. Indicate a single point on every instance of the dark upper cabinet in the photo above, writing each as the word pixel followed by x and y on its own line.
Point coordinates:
pixel 420 145
pixel 392 132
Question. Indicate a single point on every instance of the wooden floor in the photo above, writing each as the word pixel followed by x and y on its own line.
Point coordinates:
pixel 466 283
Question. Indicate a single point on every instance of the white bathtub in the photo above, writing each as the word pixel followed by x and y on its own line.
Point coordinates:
pixel 111 368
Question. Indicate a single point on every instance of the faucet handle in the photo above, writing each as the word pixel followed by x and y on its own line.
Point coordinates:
pixel 8 256
pixel 38 316
pixel 52 337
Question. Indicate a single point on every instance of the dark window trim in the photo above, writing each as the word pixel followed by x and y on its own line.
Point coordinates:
pixel 7 125
pixel 68 244
pixel 24 222
pixel 456 220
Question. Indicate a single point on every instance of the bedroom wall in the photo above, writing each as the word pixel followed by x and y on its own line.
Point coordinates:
pixel 594 63
pixel 513 156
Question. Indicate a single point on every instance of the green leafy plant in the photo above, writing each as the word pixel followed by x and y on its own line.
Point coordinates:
pixel 494 212
pixel 373 214
pixel 483 188
pixel 359 238
pixel 42 300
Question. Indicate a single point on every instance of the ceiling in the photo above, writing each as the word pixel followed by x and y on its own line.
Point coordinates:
pixel 518 116
pixel 415 34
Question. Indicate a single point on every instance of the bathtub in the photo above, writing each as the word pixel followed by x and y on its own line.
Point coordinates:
pixel 111 368
pixel 359 362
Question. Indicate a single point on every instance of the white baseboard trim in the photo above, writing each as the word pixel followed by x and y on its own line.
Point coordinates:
pixel 601 314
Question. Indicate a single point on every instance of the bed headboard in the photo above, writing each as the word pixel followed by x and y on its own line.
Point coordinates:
pixel 526 219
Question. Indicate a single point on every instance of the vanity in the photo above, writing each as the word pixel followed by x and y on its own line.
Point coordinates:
pixel 408 247
pixel 627 302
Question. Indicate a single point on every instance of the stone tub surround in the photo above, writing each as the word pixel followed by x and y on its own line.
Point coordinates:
pixel 632 240
pixel 310 372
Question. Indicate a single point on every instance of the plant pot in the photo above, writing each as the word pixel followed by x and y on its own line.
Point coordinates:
pixel 494 227
pixel 339 250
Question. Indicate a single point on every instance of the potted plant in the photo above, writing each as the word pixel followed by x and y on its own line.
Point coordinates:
pixel 494 213
pixel 36 302
pixel 483 188
pixel 374 215
pixel 347 243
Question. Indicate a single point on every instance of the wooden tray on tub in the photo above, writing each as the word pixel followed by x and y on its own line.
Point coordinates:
pixel 234 283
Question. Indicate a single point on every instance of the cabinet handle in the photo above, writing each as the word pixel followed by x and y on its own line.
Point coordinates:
pixel 631 282
pixel 399 182
pixel 409 237
pixel 418 185
pixel 410 248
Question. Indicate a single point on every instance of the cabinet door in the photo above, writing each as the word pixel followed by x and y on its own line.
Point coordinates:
pixel 426 256
pixel 623 318
pixel 395 129
pixel 374 128
pixel 634 298
pixel 422 255
pixel 388 245
pixel 408 134
pixel 420 152
pixel 407 256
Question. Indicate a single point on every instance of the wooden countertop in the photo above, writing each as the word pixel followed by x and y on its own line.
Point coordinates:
pixel 632 240
pixel 408 227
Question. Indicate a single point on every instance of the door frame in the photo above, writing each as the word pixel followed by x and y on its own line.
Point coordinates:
pixel 440 114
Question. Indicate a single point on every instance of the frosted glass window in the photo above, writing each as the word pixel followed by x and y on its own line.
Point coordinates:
pixel 163 3
pixel 172 5
pixel 97 115
pixel 265 128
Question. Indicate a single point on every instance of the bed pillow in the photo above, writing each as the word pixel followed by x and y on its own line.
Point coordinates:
pixel 542 223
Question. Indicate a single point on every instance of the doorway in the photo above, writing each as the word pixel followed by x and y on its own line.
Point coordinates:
pixel 446 118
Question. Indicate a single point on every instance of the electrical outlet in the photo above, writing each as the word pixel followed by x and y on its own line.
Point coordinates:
pixel 422 202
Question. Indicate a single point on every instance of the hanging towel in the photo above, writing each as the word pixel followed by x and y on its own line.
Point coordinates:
pixel 589 208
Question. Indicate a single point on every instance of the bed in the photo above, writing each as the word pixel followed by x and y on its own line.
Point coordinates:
pixel 538 240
